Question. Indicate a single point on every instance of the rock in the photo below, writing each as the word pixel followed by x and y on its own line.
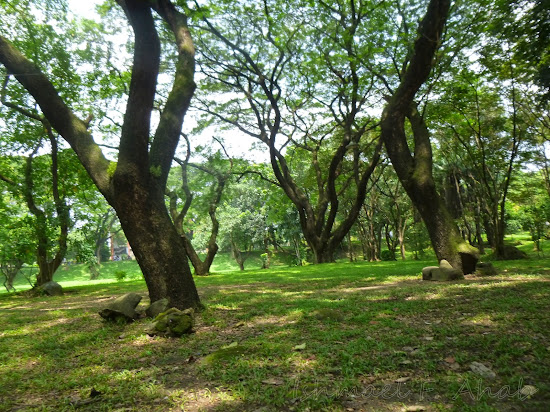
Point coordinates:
pixel 513 253
pixel 528 390
pixel 173 322
pixel 51 288
pixel 486 269
pixel 427 272
pixel 482 370
pixel 156 308
pixel 123 308
pixel 443 272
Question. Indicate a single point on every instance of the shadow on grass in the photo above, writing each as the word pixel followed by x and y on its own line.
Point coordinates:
pixel 330 337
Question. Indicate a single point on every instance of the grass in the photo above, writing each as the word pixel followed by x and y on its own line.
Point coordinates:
pixel 334 337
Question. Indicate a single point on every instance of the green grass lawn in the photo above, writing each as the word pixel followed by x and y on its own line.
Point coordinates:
pixel 333 337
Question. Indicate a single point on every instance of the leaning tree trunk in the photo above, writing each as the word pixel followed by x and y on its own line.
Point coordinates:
pixel 415 171
pixel 135 185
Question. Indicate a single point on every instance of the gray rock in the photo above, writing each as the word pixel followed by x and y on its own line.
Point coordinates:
pixel 486 269
pixel 123 308
pixel 449 272
pixel 173 322
pixel 427 272
pixel 443 272
pixel 52 288
pixel 513 253
pixel 156 308
pixel 482 370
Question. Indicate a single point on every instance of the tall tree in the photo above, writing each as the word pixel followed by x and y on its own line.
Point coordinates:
pixel 182 198
pixel 414 165
pixel 304 102
pixel 135 184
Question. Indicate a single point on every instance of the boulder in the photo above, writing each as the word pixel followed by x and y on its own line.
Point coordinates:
pixel 156 308
pixel 513 253
pixel 427 272
pixel 51 288
pixel 443 272
pixel 173 322
pixel 122 308
pixel 486 269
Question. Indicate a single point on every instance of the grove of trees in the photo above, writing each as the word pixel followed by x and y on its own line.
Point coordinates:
pixel 386 124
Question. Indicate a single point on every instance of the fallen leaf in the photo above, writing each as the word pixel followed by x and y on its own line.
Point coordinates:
pixel 450 359
pixel 528 390
pixel 373 322
pixel 415 408
pixel 482 370
pixel 273 381
pixel 231 345
pixel 428 338
pixel 299 347
pixel 239 324
pixel 402 380
pixel 454 366
pixel 405 362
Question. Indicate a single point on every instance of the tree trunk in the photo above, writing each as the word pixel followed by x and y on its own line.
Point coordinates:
pixel 136 188
pixel 202 268
pixel 322 253
pixel 158 248
pixel 415 172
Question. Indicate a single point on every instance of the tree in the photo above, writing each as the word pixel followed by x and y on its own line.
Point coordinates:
pixel 48 218
pixel 244 217
pixel 135 184
pixel 304 102
pixel 414 167
pixel 491 140
pixel 214 167
pixel 17 244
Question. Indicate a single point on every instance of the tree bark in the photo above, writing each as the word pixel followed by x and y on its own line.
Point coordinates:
pixel 136 188
pixel 415 171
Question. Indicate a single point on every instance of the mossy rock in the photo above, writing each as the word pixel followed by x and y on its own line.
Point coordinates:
pixel 173 322
pixel 485 269
pixel 329 314
pixel 226 354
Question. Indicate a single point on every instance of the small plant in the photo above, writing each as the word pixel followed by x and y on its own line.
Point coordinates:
pixel 120 275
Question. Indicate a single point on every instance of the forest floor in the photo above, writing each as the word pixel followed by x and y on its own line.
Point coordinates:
pixel 336 337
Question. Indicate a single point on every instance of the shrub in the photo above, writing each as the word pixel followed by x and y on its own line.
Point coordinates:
pixel 120 275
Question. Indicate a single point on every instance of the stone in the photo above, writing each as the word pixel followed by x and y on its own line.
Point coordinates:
pixel 122 308
pixel 427 272
pixel 448 272
pixel 482 370
pixel 486 269
pixel 513 253
pixel 51 288
pixel 173 322
pixel 156 308
pixel 443 272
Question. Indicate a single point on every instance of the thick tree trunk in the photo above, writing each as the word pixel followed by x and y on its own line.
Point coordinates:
pixel 415 172
pixel 136 188
pixel 202 268
pixel 158 248
pixel 322 253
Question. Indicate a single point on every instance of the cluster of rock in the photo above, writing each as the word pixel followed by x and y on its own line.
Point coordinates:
pixel 445 272
pixel 165 320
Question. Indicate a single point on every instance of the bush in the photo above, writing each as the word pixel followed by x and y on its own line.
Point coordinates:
pixel 387 255
pixel 120 275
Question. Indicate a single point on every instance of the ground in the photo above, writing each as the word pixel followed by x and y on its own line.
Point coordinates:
pixel 338 337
